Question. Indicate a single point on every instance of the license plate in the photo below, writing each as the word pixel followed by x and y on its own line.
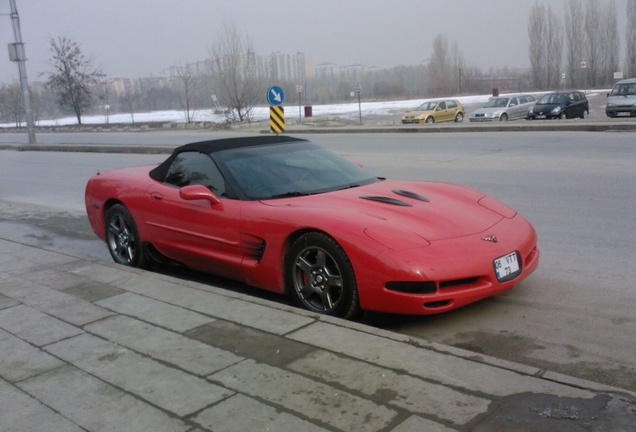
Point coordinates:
pixel 507 267
pixel 623 114
pixel 540 117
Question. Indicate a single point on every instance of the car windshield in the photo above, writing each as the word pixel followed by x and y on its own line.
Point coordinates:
pixel 551 99
pixel 286 170
pixel 624 90
pixel 427 106
pixel 497 103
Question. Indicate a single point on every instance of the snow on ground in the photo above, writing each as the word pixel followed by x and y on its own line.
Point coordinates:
pixel 343 110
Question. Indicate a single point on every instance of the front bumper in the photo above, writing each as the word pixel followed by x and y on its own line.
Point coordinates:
pixel 621 111
pixel 458 271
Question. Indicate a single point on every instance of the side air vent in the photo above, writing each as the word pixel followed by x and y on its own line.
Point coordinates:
pixel 386 200
pixel 412 195
pixel 254 249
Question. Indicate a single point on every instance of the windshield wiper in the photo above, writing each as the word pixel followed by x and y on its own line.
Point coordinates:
pixel 288 195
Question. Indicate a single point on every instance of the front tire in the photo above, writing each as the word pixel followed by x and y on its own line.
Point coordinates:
pixel 563 116
pixel 122 238
pixel 320 277
pixel 504 117
pixel 430 120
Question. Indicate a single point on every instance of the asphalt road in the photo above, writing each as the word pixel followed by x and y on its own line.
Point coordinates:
pixel 575 315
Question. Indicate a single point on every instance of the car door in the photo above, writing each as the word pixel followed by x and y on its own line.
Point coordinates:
pixel 197 233
pixel 451 110
pixel 441 113
pixel 572 107
pixel 513 108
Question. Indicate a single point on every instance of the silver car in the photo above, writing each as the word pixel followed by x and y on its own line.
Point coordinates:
pixel 504 108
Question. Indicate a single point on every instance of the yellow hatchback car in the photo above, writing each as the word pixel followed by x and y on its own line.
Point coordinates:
pixel 435 112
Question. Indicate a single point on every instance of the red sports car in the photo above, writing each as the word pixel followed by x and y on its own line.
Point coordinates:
pixel 286 215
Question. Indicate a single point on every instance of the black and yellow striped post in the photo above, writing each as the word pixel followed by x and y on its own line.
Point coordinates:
pixel 276 119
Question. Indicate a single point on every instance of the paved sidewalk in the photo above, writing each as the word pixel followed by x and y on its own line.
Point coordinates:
pixel 91 346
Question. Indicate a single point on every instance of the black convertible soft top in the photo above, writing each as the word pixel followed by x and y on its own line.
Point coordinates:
pixel 211 146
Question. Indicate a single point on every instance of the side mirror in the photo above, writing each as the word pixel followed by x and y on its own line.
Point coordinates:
pixel 198 192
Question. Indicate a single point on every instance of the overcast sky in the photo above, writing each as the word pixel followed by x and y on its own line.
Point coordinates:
pixel 133 38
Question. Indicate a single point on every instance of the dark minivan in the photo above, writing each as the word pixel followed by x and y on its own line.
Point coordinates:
pixel 560 105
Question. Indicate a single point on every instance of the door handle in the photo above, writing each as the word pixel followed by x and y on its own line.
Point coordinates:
pixel 156 196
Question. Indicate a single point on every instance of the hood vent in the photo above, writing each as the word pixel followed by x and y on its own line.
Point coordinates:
pixel 386 200
pixel 412 195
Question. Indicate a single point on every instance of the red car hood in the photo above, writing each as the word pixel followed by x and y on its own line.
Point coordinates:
pixel 434 211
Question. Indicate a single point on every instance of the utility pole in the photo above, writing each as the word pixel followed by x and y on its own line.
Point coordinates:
pixel 17 54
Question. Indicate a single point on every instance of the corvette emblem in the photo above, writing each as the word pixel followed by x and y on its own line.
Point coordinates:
pixel 490 238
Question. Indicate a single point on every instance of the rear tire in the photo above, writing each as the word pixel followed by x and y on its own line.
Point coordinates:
pixel 319 276
pixel 459 117
pixel 122 238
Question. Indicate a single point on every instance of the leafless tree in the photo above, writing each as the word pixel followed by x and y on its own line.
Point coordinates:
pixel 446 67
pixel 130 97
pixel 611 44
pixel 11 103
pixel 575 42
pixel 554 48
pixel 594 42
pixel 187 92
pixel 630 40
pixel 546 46
pixel 73 76
pixel 236 81
pixel 537 49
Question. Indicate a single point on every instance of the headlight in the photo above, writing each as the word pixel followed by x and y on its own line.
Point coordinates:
pixel 611 105
pixel 556 110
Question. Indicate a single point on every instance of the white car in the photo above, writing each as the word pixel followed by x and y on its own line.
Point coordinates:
pixel 504 108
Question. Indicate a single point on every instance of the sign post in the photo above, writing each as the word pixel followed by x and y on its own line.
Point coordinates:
pixel 299 90
pixel 358 89
pixel 275 98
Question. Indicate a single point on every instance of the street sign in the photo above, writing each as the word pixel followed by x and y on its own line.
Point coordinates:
pixel 275 96
pixel 276 119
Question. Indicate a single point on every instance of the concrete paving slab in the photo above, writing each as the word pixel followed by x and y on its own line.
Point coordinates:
pixel 66 307
pixel 19 412
pixel 242 413
pixel 50 277
pixel 441 368
pixel 95 405
pixel 164 345
pixel 419 424
pixel 92 291
pixel 105 273
pixel 155 312
pixel 6 302
pixel 397 389
pixel 320 403
pixel 168 388
pixel 20 360
pixel 35 327
pixel 220 306
pixel 247 342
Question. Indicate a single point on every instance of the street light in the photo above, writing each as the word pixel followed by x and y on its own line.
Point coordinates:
pixel 17 54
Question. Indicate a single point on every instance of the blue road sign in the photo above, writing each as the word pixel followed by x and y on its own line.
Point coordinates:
pixel 275 96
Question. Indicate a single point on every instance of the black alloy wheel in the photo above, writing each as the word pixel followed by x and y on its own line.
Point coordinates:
pixel 122 238
pixel 319 276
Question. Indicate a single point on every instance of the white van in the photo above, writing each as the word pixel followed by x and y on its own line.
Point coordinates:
pixel 621 101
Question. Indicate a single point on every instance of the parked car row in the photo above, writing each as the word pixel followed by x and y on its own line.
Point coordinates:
pixel 621 102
